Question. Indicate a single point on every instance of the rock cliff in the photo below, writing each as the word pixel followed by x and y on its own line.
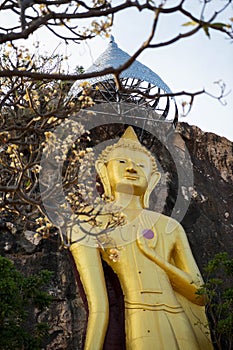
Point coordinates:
pixel 209 220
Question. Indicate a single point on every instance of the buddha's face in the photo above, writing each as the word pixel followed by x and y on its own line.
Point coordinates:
pixel 129 171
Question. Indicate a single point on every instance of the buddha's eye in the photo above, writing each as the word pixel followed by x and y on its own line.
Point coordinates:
pixel 121 161
pixel 141 165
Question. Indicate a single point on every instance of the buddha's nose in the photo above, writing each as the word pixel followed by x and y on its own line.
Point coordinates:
pixel 131 167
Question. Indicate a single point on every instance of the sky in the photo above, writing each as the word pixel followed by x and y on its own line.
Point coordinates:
pixel 191 65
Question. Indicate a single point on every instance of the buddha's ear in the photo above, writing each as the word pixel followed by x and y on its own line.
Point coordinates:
pixel 101 169
pixel 154 179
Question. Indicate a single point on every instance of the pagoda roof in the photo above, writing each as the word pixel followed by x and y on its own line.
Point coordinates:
pixel 114 57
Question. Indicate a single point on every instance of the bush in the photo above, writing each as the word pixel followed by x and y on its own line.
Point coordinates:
pixel 18 294
pixel 219 293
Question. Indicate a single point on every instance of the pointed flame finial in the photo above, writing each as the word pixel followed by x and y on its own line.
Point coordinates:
pixel 130 134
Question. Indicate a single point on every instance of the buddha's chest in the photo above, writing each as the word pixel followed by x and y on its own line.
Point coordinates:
pixel 125 251
pixel 139 276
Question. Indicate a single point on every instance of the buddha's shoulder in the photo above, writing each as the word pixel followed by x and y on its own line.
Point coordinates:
pixel 158 216
pixel 162 220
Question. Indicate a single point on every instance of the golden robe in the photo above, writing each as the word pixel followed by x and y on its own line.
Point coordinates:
pixel 157 317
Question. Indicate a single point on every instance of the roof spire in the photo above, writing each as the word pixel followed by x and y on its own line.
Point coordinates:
pixel 112 39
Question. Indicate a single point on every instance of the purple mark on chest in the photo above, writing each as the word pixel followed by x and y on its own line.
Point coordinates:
pixel 148 234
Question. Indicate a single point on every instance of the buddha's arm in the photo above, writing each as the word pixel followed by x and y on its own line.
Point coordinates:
pixel 184 261
pixel 88 263
pixel 184 274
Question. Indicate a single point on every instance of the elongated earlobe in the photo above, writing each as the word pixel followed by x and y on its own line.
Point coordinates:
pixel 101 169
pixel 155 177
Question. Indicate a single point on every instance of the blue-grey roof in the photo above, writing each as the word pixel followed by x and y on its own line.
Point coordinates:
pixel 115 57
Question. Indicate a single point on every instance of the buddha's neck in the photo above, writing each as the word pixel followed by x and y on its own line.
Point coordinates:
pixel 128 201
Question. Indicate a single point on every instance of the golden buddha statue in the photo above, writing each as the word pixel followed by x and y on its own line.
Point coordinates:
pixel 151 256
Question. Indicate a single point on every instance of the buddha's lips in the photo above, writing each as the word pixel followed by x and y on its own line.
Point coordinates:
pixel 131 177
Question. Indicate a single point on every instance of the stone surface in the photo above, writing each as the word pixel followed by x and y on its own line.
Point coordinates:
pixel 209 220
pixel 208 224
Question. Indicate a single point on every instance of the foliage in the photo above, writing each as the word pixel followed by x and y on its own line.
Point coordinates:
pixel 219 293
pixel 31 111
pixel 18 294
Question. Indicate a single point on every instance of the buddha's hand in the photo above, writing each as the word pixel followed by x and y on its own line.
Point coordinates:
pixel 148 248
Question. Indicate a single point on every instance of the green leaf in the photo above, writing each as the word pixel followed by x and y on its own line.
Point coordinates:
pixel 191 23
pixel 28 183
pixel 219 25
pixel 206 30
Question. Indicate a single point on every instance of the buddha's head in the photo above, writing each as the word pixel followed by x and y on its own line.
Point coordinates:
pixel 128 167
